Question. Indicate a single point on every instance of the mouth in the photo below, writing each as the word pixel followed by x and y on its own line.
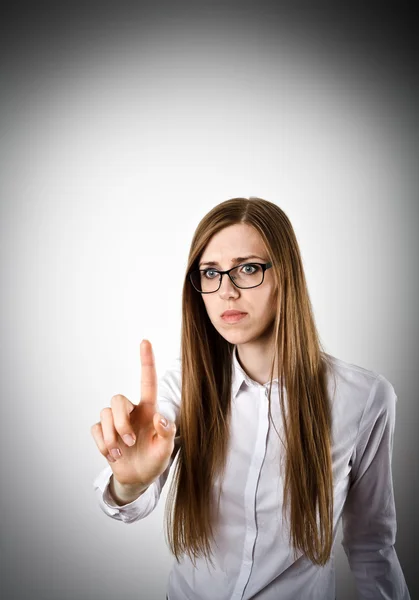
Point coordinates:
pixel 233 317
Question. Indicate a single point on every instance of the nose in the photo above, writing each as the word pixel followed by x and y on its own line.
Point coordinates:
pixel 228 289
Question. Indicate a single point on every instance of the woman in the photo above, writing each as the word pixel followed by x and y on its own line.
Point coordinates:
pixel 275 440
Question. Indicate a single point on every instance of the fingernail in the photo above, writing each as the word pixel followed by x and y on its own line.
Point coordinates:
pixel 110 459
pixel 116 453
pixel 128 439
pixel 163 421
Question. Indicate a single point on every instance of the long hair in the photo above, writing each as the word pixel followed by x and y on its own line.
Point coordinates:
pixel 204 421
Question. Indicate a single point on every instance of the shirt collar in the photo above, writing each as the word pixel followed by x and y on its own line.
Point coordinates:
pixel 240 376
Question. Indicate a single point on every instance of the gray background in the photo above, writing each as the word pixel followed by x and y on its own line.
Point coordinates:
pixel 121 126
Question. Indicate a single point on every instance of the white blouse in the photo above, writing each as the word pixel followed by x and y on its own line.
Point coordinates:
pixel 253 558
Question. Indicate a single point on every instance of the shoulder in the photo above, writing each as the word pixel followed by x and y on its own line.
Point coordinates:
pixel 361 393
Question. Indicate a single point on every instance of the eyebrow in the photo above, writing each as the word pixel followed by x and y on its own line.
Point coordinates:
pixel 237 260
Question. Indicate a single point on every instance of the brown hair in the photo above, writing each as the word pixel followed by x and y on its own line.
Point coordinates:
pixel 206 364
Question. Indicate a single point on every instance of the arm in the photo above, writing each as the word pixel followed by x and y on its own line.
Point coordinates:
pixel 369 515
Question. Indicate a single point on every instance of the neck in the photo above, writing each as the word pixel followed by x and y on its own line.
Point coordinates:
pixel 255 358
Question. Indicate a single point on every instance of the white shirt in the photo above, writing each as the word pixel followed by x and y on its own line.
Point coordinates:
pixel 253 558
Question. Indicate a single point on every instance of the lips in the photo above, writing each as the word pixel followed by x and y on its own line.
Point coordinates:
pixel 230 313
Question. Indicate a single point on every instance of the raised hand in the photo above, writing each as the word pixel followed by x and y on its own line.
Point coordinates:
pixel 139 462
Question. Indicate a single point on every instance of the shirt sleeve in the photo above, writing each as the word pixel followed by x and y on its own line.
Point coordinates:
pixel 135 510
pixel 369 514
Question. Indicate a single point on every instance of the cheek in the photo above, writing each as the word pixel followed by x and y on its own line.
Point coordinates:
pixel 208 305
pixel 268 304
pixel 263 298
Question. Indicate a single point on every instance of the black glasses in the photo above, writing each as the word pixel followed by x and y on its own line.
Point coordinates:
pixel 248 275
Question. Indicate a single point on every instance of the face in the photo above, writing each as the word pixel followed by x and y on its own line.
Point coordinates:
pixel 259 302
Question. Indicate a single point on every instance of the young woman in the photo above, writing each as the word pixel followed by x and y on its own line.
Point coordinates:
pixel 276 441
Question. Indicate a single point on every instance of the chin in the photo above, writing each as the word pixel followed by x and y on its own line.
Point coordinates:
pixel 235 337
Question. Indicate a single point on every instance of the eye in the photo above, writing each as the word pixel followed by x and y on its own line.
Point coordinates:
pixel 250 266
pixel 206 271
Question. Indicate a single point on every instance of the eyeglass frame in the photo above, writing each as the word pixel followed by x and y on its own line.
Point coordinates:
pixel 264 266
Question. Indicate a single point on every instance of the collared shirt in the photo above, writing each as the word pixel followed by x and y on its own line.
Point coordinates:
pixel 253 557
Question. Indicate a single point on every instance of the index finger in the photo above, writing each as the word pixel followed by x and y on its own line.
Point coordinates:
pixel 148 374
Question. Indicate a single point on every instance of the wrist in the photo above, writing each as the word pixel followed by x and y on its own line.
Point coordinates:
pixel 124 493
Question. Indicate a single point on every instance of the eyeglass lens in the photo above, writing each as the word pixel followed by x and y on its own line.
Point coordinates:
pixel 244 276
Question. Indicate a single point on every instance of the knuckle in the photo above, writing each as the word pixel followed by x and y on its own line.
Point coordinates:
pixel 109 440
pixel 117 399
pixel 105 412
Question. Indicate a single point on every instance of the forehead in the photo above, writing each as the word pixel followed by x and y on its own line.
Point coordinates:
pixel 235 240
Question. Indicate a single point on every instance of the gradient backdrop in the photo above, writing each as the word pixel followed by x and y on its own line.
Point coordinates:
pixel 121 126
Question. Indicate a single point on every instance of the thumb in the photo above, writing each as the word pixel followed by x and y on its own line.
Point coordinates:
pixel 164 427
